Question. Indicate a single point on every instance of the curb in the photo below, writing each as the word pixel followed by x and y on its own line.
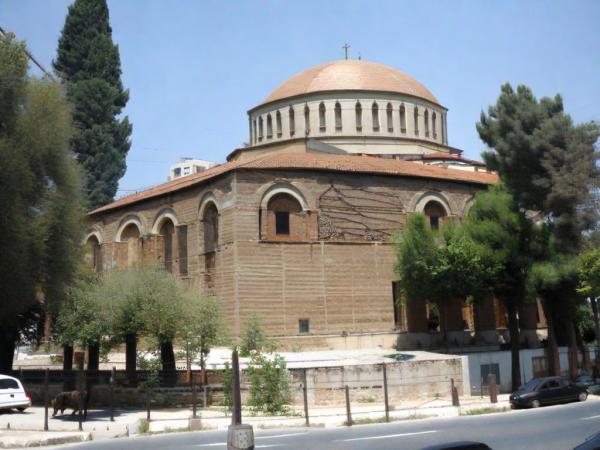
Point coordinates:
pixel 42 438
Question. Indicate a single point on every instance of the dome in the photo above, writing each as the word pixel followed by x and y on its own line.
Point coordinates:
pixel 353 75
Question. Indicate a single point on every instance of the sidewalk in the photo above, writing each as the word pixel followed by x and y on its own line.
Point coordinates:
pixel 130 423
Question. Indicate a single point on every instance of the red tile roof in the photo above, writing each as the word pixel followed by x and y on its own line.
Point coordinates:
pixel 451 156
pixel 307 161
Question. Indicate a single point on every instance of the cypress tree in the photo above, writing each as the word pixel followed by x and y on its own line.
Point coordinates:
pixel 89 63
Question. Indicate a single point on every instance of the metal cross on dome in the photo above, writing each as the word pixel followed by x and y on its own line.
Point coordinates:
pixel 346 47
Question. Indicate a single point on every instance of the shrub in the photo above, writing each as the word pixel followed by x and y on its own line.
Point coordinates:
pixel 254 337
pixel 269 384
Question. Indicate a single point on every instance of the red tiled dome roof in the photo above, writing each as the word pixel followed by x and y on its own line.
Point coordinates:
pixel 354 75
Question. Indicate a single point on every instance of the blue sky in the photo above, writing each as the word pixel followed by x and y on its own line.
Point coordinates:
pixel 194 68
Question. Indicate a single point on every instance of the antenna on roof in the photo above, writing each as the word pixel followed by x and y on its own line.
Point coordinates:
pixel 346 47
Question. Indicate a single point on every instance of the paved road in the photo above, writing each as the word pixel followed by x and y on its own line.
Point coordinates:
pixel 555 427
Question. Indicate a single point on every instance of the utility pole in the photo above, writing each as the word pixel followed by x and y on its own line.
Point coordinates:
pixel 239 436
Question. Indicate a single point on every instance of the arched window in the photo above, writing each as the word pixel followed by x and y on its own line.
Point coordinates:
pixel 435 212
pixel 390 122
pixel 210 222
pixel 260 128
pixel 306 120
pixel 254 138
pixel 426 120
pixel 433 125
pixel 375 114
pixel 269 126
pixel 358 109
pixel 278 123
pixel 93 254
pixel 322 121
pixel 416 119
pixel 167 230
pixel 338 116
pixel 292 121
pixel 282 220
pixel 131 235
pixel 402 119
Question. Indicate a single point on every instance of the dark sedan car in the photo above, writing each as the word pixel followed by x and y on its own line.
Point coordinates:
pixel 547 391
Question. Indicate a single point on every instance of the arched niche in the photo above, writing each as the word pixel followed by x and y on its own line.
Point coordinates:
pixel 93 251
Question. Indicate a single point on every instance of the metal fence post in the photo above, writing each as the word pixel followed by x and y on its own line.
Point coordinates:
pixel 493 388
pixel 205 396
pixel 81 393
pixel 148 404
pixel 112 388
pixel 348 413
pixel 454 392
pixel 305 395
pixel 194 399
pixel 385 394
pixel 46 376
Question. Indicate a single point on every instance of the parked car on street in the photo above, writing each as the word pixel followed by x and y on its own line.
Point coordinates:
pixel 547 391
pixel 12 394
pixel 586 381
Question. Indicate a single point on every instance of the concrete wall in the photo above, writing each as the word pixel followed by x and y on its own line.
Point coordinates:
pixel 503 359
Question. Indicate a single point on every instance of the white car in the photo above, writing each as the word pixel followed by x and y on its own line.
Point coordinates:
pixel 12 394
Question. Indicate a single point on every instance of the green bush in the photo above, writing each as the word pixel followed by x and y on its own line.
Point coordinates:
pixel 269 384
pixel 254 337
pixel 227 389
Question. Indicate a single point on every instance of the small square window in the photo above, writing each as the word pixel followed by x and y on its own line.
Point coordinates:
pixel 282 222
pixel 304 325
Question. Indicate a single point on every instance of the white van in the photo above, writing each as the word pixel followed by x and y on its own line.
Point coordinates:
pixel 12 394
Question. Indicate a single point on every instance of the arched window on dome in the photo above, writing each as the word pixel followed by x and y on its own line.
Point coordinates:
pixel 375 114
pixel 435 213
pixel 390 122
pixel 260 128
pixel 358 109
pixel 278 123
pixel 269 126
pixel 433 125
pixel 338 116
pixel 322 121
pixel 306 120
pixel 292 121
pixel 254 137
pixel 402 119
pixel 426 120
pixel 416 119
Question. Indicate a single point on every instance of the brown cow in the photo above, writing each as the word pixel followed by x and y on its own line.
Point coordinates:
pixel 66 400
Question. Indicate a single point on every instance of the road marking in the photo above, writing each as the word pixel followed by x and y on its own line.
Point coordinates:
pixel 270 445
pixel 216 444
pixel 278 436
pixel 591 417
pixel 387 436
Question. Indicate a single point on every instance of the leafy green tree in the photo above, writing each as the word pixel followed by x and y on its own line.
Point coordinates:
pixel 589 276
pixel 507 245
pixel 269 384
pixel 89 63
pixel 253 337
pixel 40 224
pixel 440 268
pixel 203 327
pixel 546 162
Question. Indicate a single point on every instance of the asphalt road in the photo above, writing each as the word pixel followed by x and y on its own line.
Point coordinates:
pixel 555 427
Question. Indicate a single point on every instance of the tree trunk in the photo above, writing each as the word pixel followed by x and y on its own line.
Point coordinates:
pixel 93 357
pixel 7 351
pixel 583 349
pixel 67 357
pixel 130 355
pixel 594 302
pixel 573 356
pixel 552 356
pixel 167 357
pixel 513 329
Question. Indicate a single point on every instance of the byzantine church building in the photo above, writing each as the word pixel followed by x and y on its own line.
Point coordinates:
pixel 296 227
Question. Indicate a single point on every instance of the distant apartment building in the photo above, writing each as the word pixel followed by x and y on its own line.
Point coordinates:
pixel 188 166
